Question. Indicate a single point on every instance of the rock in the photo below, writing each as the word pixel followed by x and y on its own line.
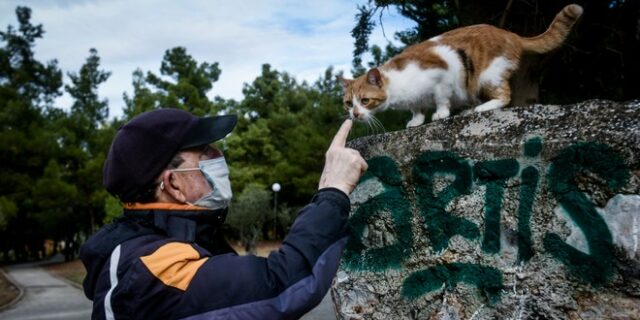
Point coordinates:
pixel 523 212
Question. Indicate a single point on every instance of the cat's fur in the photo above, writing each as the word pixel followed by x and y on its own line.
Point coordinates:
pixel 462 67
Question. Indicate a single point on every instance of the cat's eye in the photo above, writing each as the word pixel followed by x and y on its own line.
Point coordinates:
pixel 348 104
pixel 364 101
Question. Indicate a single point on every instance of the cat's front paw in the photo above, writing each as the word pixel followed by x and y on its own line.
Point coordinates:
pixel 418 119
pixel 415 122
pixel 440 114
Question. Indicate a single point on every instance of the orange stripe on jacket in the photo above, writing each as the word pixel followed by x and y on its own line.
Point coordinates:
pixel 175 264
pixel 162 206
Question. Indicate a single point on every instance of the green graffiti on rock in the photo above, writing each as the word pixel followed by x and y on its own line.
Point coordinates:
pixel 597 266
pixel 486 279
pixel 442 225
pixel 529 184
pixel 494 174
pixel 530 177
pixel 433 196
pixel 392 201
pixel 533 147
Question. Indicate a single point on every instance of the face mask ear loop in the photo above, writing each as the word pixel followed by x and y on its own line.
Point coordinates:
pixel 184 169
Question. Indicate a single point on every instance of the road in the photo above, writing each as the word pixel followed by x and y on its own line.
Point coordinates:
pixel 45 297
pixel 48 298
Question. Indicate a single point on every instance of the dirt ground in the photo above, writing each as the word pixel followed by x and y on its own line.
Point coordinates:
pixel 7 291
pixel 73 271
pixel 263 248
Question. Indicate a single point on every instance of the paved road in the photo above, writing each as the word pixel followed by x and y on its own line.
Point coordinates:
pixel 45 297
pixel 48 298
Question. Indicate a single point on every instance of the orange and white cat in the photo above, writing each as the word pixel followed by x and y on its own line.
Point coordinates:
pixel 460 68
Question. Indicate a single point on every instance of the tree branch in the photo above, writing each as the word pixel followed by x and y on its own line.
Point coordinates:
pixel 505 13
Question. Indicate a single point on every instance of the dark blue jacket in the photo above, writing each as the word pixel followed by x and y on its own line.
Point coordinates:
pixel 151 265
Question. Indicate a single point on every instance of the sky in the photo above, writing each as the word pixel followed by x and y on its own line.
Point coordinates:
pixel 300 37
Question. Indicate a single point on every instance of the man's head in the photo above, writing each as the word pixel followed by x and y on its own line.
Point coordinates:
pixel 147 147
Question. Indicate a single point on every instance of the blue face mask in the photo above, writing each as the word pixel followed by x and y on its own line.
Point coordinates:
pixel 217 174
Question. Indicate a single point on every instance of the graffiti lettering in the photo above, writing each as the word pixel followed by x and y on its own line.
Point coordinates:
pixel 595 267
pixel 393 201
pixel 487 279
pixel 441 224
pixel 494 174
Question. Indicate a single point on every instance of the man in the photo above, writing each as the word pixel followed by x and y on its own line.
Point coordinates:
pixel 166 258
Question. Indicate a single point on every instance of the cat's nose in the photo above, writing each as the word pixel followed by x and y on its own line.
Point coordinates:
pixel 356 114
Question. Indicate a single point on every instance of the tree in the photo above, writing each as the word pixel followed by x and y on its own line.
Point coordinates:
pixel 84 138
pixel 54 198
pixel 27 89
pixel 186 87
pixel 248 214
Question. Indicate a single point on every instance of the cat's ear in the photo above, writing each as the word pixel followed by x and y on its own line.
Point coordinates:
pixel 374 77
pixel 345 83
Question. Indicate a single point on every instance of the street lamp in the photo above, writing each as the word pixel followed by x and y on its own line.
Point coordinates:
pixel 276 188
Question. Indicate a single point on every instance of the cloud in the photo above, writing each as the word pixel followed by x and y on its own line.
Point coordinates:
pixel 302 38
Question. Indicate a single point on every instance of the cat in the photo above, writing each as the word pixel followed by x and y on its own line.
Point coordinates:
pixel 452 71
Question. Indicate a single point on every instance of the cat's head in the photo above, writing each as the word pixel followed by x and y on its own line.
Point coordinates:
pixel 364 95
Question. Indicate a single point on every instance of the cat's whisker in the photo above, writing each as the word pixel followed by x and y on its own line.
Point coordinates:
pixel 378 124
pixel 375 124
pixel 369 127
pixel 372 125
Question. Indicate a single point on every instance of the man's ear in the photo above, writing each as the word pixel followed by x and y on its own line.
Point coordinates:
pixel 171 187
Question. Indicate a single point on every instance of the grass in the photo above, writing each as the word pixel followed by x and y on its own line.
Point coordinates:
pixel 7 291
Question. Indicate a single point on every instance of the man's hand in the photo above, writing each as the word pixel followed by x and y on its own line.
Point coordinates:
pixel 343 166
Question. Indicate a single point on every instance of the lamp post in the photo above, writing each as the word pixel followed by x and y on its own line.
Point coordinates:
pixel 276 188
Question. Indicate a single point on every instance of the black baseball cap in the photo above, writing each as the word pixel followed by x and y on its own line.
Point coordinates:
pixel 144 146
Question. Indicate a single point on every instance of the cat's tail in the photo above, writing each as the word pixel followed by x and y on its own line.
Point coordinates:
pixel 557 32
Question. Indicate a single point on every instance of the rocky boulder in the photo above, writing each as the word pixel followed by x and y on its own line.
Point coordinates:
pixel 520 213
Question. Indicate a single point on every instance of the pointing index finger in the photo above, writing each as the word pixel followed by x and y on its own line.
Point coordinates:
pixel 340 139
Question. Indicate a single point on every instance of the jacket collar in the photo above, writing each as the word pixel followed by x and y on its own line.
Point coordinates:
pixel 178 221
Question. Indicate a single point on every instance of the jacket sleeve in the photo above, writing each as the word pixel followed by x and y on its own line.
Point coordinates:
pixel 284 285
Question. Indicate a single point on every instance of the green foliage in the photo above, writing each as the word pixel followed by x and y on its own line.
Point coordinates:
pixel 87 108
pixel 281 134
pixel 8 210
pixel 86 138
pixel 182 84
pixel 248 213
pixel 52 196
pixel 27 143
pixel 112 208
pixel 360 34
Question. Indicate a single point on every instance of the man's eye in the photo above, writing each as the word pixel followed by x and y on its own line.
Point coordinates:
pixel 364 101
